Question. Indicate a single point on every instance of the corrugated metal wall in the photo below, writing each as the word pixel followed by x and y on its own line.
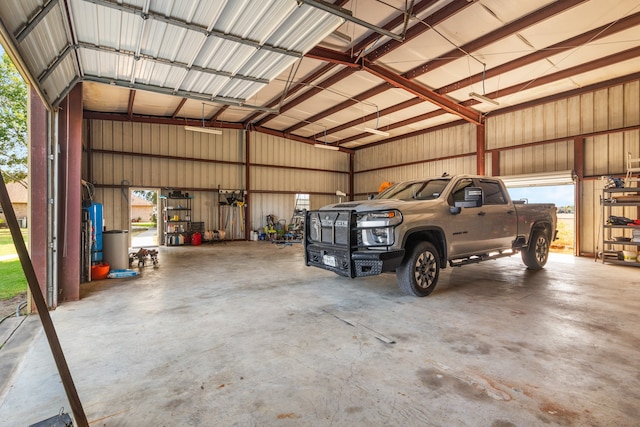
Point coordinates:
pixel 276 186
pixel 137 161
pixel 510 136
pixel 167 157
pixel 449 150
pixel 280 168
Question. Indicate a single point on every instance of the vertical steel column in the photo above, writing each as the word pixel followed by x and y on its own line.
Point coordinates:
pixel 247 172
pixel 578 167
pixel 480 149
pixel 495 163
pixel 70 138
pixel 351 173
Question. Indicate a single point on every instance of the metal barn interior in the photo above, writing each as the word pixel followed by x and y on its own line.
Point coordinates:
pixel 275 98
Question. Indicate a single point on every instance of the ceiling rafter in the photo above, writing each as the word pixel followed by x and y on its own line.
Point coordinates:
pixel 385 111
pixel 492 37
pixel 23 32
pixel 193 27
pixel 169 62
pixel 281 134
pixel 526 21
pixel 132 97
pixel 341 106
pixel 388 47
pixel 346 14
pixel 563 46
pixel 603 31
pixel 314 76
pixel 178 108
pixel 316 89
pixel 424 93
pixel 550 78
pixel 58 60
pixel 218 113
pixel 625 55
pixel 202 97
pixel 452 9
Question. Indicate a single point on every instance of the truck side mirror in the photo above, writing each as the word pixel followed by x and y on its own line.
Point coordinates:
pixel 473 198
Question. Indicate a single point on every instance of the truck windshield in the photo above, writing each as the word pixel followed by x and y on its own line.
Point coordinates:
pixel 421 190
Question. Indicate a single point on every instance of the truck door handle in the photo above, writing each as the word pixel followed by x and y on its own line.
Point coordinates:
pixel 510 212
pixel 482 213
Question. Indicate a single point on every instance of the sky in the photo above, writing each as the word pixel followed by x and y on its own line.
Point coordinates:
pixel 561 195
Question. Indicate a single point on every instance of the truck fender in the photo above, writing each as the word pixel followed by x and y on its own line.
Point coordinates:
pixel 432 234
pixel 541 225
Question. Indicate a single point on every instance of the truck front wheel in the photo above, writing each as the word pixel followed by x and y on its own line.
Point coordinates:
pixel 536 254
pixel 418 275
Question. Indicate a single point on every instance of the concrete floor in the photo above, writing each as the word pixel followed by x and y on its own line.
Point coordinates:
pixel 244 334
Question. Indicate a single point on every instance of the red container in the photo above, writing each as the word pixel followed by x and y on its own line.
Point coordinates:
pixel 99 271
pixel 196 239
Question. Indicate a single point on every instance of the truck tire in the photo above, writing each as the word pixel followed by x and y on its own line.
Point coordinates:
pixel 536 254
pixel 418 274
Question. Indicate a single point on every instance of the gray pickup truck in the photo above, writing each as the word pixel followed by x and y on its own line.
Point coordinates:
pixel 416 227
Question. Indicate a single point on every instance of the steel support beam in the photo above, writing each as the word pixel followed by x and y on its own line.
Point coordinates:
pixel 626 55
pixel 192 27
pixel 424 93
pixel 609 60
pixel 186 94
pixel 563 46
pixel 178 108
pixel 386 48
pixel 452 8
pixel 340 75
pixel 165 61
pixel 332 56
pixel 52 67
pixel 132 97
pixel 347 15
pixel 481 148
pixel 23 32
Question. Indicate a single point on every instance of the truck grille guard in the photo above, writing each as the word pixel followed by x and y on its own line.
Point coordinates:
pixel 332 237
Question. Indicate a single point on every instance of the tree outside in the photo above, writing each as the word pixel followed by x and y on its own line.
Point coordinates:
pixel 13 166
pixel 13 123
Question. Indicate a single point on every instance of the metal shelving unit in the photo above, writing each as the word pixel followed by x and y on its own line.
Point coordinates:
pixel 613 204
pixel 176 218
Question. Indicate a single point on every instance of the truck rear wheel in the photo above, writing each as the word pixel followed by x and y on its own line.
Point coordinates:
pixel 536 254
pixel 418 275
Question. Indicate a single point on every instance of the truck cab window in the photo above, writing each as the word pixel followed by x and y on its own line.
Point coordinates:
pixel 457 195
pixel 493 194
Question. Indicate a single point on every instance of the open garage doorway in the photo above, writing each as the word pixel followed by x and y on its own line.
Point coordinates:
pixel 143 223
pixel 558 188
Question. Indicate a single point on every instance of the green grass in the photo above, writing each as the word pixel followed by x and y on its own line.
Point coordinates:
pixel 6 242
pixel 144 224
pixel 13 280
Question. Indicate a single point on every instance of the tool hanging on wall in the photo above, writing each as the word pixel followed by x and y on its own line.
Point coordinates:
pixel 231 205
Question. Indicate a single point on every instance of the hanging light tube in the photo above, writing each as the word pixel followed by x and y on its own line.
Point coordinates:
pixel 483 98
pixel 376 131
pixel 203 129
pixel 327 147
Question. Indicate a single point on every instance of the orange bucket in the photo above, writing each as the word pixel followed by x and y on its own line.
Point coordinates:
pixel 99 271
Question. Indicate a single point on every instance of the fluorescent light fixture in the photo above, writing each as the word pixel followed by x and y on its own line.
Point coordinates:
pixel 483 98
pixel 327 147
pixel 203 129
pixel 376 132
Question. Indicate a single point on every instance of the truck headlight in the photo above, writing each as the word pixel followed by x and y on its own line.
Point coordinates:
pixel 376 228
